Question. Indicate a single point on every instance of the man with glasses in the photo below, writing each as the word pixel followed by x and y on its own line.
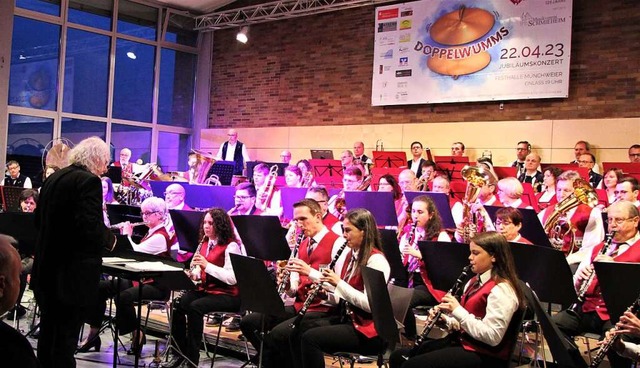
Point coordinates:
pixel 634 153
pixel 592 315
pixel 285 157
pixel 14 177
pixel 233 150
pixel 588 161
pixel 244 201
pixel 351 180
pixel 174 196
pixel 522 150
pixel 415 164
pixel 628 189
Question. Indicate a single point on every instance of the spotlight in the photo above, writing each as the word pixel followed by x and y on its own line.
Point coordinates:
pixel 242 36
pixel 131 55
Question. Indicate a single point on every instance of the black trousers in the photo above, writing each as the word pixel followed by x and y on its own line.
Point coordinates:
pixel 281 343
pixel 187 321
pixel 421 296
pixel 571 326
pixel 442 353
pixel 59 328
pixel 332 336
pixel 126 316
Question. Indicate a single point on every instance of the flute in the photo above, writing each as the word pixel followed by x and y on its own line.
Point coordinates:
pixel 120 225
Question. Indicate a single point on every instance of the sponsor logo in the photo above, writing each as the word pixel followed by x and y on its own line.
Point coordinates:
pixel 403 84
pixel 387 54
pixel 387 26
pixel 403 73
pixel 402 96
pixel 406 37
pixel 386 40
pixel 403 49
pixel 388 14
pixel 529 20
pixel 404 61
pixel 405 24
pixel 406 13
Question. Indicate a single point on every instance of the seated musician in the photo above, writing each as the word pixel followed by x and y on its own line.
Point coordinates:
pixel 628 189
pixel 478 322
pixel 293 177
pixel 216 290
pixel 351 181
pixel 588 160
pixel 353 329
pixel 307 173
pixel 508 223
pixel 610 179
pixel 318 247
pixel 174 197
pixel 510 193
pixel 428 226
pixel 629 324
pixel 585 223
pixel 156 242
pixel 244 200
pixel 457 149
pixel 388 183
pixel 428 173
pixel 441 185
pixel 592 314
pixel 547 196
pixel 346 159
pixel 320 195
pixel 268 198
pixel 359 158
pixel 408 182
pixel 531 174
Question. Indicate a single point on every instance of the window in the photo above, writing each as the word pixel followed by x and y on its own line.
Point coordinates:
pixel 137 139
pixel 137 20
pixel 133 91
pixel 76 130
pixel 173 151
pixel 177 78
pixel 51 7
pixel 94 13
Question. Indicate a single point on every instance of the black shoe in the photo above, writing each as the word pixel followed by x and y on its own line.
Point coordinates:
pixel 136 348
pixel 214 321
pixel 233 326
pixel 175 362
pixel 90 344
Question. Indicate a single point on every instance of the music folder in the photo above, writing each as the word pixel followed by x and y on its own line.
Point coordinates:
pixel 380 204
pixel 262 236
pixel 618 282
pixel 187 227
pixel 442 204
pixel 531 227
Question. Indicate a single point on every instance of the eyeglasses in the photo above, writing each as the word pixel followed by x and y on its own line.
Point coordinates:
pixel 634 155
pixel 616 192
pixel 148 213
pixel 619 221
pixel 172 193
pixel 505 223
pixel 521 149
pixel 242 198
pixel 584 162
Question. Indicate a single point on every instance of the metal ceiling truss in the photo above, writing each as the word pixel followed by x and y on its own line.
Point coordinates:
pixel 276 10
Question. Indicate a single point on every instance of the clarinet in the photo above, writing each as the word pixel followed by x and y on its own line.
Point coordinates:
pixel 314 290
pixel 287 275
pixel 575 307
pixel 608 342
pixel 412 236
pixel 431 322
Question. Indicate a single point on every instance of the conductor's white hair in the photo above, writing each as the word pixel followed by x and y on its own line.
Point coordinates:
pixel 92 153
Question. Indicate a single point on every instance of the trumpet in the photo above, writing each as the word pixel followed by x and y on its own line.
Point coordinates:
pixel 120 225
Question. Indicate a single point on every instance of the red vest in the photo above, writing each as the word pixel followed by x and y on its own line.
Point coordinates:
pixel 161 231
pixel 321 255
pixel 210 284
pixel 329 220
pixel 476 304
pixel 593 298
pixel 362 321
pixel 452 201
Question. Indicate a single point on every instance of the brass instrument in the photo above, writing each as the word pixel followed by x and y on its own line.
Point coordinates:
pixel 120 225
pixel 282 286
pixel 315 289
pixel 431 322
pixel 307 180
pixel 366 181
pixel 195 272
pixel 476 177
pixel 577 306
pixel 423 185
pixel 265 193
pixel 213 180
pixel 339 205
pixel 609 341
pixel 558 226
pixel 205 161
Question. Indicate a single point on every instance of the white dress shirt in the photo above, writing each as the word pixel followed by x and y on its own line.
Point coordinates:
pixel 231 149
pixel 155 244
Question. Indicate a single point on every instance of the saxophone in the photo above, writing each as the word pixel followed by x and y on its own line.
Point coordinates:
pixel 476 177
pixel 315 289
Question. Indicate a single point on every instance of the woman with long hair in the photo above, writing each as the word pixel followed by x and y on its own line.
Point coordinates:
pixel 387 183
pixel 428 226
pixel 217 290
pixel 609 182
pixel 547 197
pixel 353 331
pixel 479 321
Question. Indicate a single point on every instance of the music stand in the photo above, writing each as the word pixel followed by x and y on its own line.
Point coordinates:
pixel 289 196
pixel 505 172
pixel 327 172
pixel 187 227
pixel 529 197
pixel 389 159
pixel 319 154
pixel 618 296
pixel 531 227
pixel 442 204
pixel 381 308
pixel 377 173
pixel 115 174
pixel 224 170
pixel 391 250
pixel 262 237
pixel 451 166
pixel 257 291
pixel 119 213
pixel 20 226
pixel 10 198
pixel 380 204
pixel 444 261
pixel 628 168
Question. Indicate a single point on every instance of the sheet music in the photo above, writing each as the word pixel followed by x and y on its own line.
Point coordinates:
pixel 117 260
pixel 152 266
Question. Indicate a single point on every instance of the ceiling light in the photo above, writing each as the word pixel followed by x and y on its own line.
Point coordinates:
pixel 131 55
pixel 242 36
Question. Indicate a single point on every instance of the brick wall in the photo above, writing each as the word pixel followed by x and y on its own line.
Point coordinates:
pixel 317 70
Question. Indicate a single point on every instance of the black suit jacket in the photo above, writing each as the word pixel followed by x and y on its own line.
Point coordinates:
pixel 419 172
pixel 71 238
pixel 15 349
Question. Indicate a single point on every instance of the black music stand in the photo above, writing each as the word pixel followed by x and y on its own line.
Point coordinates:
pixel 187 227
pixel 391 250
pixel 389 159
pixel 442 204
pixel 118 213
pixel 319 154
pixel 224 170
pixel 618 296
pixel 381 308
pixel 262 237
pixel 380 204
pixel 289 196
pixel 444 261
pixel 22 227
pixel 451 166
pixel 531 227
pixel 115 174
pixel 10 198
pixel 564 353
pixel 258 293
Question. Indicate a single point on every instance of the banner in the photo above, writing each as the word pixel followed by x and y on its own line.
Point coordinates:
pixel 436 51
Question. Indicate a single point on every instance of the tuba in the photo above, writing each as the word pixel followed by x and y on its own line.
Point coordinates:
pixel 205 161
pixel 476 177
pixel 558 226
